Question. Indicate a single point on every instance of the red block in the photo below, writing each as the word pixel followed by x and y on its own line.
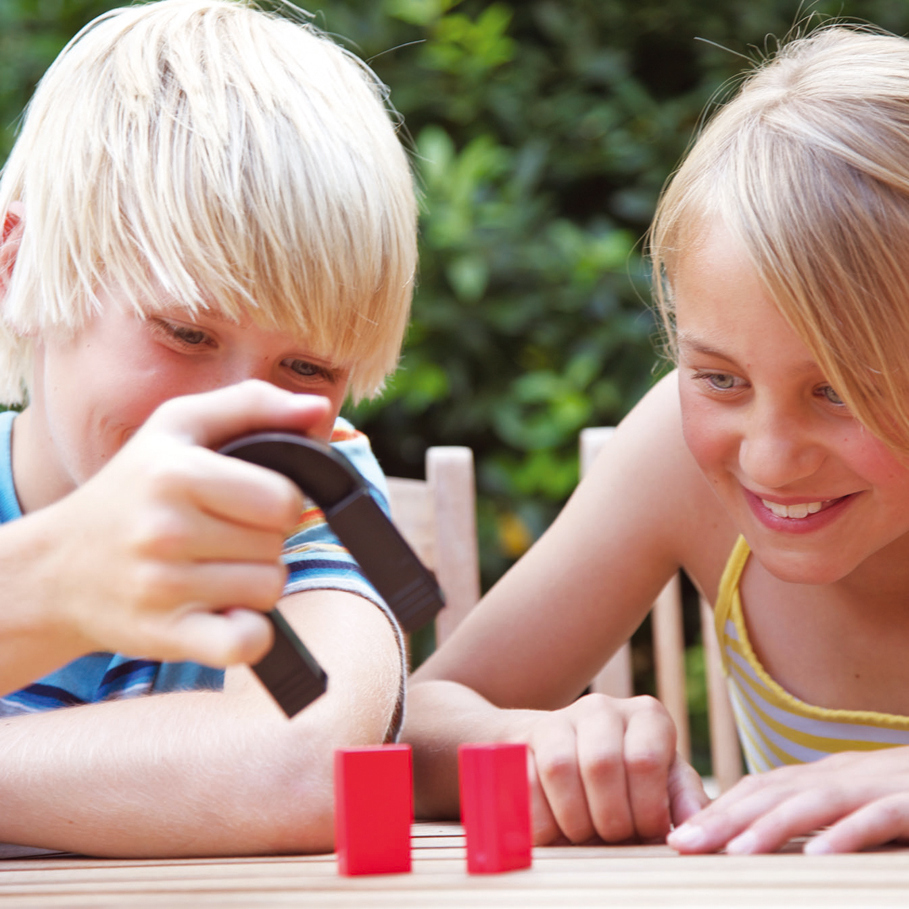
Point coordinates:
pixel 373 809
pixel 495 806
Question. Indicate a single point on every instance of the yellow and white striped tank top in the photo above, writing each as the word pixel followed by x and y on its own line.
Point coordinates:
pixel 774 727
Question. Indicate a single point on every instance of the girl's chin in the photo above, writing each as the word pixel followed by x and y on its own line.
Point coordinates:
pixel 801 568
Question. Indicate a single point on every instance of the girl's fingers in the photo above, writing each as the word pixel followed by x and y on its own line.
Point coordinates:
pixel 725 819
pixel 649 751
pixel 874 824
pixel 763 812
pixel 603 776
pixel 796 815
pixel 602 769
pixel 686 791
pixel 554 746
pixel 545 829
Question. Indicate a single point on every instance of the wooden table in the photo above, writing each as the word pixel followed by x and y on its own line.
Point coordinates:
pixel 609 876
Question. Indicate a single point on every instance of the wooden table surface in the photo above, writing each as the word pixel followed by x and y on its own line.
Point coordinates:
pixel 610 876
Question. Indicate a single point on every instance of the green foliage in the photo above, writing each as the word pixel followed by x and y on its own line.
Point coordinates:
pixel 696 694
pixel 32 32
pixel 541 133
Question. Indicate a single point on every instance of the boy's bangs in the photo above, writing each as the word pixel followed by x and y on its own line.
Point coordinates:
pixel 343 312
pixel 249 167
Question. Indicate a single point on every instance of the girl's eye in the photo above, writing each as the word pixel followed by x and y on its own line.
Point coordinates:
pixel 718 381
pixel 831 395
pixel 722 381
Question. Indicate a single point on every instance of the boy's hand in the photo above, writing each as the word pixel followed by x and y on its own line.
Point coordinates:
pixel 606 768
pixel 172 551
pixel 863 795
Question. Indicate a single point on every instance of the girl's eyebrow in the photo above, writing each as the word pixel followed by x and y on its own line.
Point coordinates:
pixel 693 344
pixel 697 345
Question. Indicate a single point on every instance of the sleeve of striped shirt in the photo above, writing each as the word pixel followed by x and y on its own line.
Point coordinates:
pixel 316 560
pixel 314 556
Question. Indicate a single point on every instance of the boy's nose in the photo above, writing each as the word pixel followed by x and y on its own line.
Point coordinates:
pixel 240 368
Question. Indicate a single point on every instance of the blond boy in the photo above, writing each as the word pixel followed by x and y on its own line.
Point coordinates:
pixel 208 228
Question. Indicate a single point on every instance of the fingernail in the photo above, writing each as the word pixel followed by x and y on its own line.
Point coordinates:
pixel 688 836
pixel 818 846
pixel 742 845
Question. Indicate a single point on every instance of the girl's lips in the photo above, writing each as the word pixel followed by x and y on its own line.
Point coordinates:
pixel 799 517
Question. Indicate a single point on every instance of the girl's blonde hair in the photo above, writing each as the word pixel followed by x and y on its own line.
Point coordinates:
pixel 228 159
pixel 808 167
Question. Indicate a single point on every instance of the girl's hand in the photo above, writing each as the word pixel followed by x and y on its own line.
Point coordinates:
pixel 606 768
pixel 863 795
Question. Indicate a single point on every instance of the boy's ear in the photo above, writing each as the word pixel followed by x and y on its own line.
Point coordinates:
pixel 10 240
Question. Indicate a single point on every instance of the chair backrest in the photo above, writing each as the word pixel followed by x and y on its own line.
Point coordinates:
pixel 437 516
pixel 667 628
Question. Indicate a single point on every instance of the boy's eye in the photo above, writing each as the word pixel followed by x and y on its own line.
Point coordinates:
pixel 188 335
pixel 308 370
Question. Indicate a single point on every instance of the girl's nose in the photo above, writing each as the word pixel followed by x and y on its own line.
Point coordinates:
pixel 776 451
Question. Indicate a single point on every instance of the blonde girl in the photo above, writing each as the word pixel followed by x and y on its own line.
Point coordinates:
pixel 772 466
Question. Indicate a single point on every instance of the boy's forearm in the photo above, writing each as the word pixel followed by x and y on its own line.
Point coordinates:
pixel 201 773
pixel 175 774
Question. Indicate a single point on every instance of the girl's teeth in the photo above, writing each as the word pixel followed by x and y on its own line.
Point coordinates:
pixel 802 510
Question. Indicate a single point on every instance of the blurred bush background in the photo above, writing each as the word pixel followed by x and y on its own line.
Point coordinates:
pixel 541 133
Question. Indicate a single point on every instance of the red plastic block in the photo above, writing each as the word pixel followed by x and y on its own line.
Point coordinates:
pixel 373 809
pixel 495 806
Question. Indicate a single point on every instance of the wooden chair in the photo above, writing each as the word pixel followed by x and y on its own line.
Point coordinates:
pixel 437 516
pixel 669 661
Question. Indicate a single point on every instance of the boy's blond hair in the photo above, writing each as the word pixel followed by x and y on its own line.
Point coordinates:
pixel 225 159
pixel 808 167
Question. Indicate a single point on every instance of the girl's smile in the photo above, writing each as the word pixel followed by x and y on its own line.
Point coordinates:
pixel 798 516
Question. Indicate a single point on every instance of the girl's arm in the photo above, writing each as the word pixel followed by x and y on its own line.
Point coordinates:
pixel 543 631
pixel 599 768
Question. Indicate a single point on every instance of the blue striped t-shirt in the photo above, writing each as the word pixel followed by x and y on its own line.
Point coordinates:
pixel 315 558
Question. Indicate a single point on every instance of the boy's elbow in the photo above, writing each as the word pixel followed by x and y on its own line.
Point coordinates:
pixel 296 808
pixel 302 827
pixel 289 809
